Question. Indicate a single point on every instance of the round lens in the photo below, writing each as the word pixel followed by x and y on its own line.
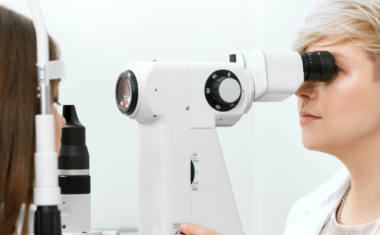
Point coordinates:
pixel 127 92
pixel 124 93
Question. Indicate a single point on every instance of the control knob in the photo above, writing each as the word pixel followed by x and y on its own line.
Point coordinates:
pixel 225 90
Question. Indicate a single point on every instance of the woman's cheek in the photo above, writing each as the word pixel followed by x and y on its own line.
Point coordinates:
pixel 58 135
pixel 299 103
pixel 346 109
pixel 59 123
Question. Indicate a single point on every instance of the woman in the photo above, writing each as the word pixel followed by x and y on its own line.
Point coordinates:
pixel 341 118
pixel 19 105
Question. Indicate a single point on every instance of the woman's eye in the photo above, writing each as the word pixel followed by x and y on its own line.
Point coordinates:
pixel 337 69
pixel 56 101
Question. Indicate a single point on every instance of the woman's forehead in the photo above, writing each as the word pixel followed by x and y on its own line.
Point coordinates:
pixel 346 50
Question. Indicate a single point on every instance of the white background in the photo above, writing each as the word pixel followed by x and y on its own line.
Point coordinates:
pixel 268 166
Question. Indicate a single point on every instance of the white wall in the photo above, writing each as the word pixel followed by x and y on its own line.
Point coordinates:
pixel 268 166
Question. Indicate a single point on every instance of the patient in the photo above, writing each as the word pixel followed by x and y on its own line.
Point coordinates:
pixel 19 105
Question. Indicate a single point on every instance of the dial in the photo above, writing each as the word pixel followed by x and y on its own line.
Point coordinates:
pixel 223 90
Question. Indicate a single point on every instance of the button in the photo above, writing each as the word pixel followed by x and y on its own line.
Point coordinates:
pixel 229 90
pixel 225 90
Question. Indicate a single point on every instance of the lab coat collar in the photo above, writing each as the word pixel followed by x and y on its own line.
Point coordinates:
pixel 312 223
pixel 329 193
pixel 315 209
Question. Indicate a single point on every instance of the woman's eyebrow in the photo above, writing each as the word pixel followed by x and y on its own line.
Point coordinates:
pixel 338 54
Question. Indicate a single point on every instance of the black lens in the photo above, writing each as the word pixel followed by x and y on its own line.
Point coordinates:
pixel 318 66
pixel 126 92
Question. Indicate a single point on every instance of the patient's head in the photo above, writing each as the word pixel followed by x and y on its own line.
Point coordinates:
pixel 18 106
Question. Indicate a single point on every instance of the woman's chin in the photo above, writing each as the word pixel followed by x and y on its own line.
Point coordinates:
pixel 313 144
pixel 316 139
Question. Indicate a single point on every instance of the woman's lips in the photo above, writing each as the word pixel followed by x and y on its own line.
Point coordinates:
pixel 308 118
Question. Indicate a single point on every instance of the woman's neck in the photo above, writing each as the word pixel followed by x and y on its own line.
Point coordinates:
pixel 362 160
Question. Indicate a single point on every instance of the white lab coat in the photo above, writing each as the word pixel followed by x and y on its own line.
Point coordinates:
pixel 309 214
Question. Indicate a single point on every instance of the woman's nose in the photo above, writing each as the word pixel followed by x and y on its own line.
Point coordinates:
pixel 307 91
pixel 63 120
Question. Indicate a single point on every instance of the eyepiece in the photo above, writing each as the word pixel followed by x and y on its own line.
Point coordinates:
pixel 74 152
pixel 127 92
pixel 318 66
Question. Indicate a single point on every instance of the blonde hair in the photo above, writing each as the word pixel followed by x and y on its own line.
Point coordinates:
pixel 355 20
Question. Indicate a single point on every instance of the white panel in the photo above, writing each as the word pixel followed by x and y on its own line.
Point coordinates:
pixel 256 65
pixel 284 74
pixel 76 213
pixel 164 151
pixel 213 205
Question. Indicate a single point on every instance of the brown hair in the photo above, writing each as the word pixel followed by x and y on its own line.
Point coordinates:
pixel 18 106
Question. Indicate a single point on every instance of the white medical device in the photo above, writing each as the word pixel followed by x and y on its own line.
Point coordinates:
pixel 47 193
pixel 182 174
pixel 74 178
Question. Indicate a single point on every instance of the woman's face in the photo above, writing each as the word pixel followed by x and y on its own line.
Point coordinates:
pixel 59 122
pixel 347 108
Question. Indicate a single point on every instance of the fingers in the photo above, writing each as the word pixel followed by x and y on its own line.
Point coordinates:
pixel 193 229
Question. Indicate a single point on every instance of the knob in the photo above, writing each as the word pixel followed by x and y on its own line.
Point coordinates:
pixel 225 90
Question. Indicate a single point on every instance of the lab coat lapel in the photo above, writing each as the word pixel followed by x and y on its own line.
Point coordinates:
pixel 312 223
pixel 317 207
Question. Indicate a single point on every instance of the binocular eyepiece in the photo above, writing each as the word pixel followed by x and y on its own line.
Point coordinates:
pixel 318 66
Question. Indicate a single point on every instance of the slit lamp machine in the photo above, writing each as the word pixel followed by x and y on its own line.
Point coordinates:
pixel 178 105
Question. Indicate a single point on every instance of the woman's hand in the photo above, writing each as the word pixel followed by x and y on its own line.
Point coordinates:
pixel 193 229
